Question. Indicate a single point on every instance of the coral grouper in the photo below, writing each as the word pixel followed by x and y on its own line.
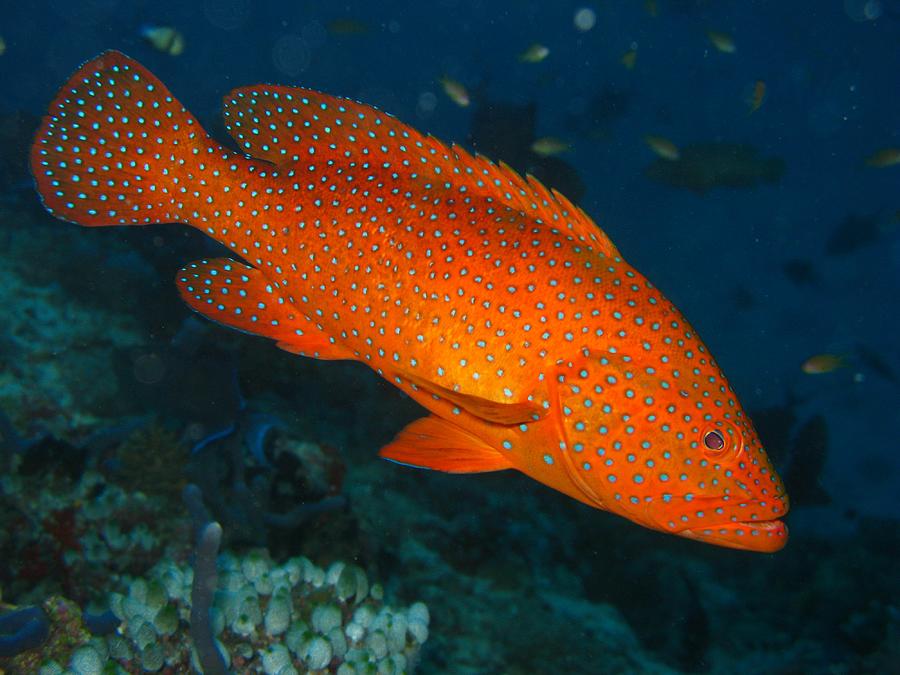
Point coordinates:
pixel 493 302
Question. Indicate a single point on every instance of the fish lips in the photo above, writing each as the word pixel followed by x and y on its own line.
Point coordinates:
pixel 746 524
pixel 764 536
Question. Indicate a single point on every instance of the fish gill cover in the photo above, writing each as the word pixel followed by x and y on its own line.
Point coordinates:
pixel 747 170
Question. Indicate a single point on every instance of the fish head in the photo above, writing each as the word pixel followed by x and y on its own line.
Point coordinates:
pixel 730 493
pixel 658 436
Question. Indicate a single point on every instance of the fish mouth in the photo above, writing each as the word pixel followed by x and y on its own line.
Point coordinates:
pixel 764 536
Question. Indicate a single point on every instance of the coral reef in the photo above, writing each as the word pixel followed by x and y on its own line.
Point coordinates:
pixel 152 460
pixel 21 630
pixel 72 537
pixel 257 490
pixel 272 618
pixel 266 618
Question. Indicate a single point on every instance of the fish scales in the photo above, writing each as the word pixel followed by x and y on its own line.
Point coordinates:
pixel 495 303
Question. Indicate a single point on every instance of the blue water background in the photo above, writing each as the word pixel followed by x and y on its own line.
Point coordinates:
pixel 833 95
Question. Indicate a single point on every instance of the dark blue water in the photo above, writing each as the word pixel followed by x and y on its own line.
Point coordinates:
pixel 108 387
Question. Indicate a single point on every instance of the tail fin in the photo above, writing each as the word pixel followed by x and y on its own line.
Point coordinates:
pixel 111 149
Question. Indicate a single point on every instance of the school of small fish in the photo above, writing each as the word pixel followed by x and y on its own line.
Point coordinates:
pixel 495 303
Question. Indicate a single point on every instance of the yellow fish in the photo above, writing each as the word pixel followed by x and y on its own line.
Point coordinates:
pixel 164 38
pixel 663 147
pixel 884 158
pixel 455 91
pixel 534 54
pixel 823 363
pixel 722 41
pixel 347 26
pixel 549 146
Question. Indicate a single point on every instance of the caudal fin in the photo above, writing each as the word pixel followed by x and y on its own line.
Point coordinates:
pixel 113 147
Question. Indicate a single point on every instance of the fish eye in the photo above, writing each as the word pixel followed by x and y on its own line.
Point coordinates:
pixel 721 440
pixel 714 441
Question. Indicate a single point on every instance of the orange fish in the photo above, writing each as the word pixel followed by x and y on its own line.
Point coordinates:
pixel 884 158
pixel 757 96
pixel 492 301
pixel 629 58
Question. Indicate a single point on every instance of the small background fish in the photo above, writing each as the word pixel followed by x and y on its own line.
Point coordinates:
pixel 821 364
pixel 703 166
pixel 164 38
pixel 535 53
pixel 663 147
pixel 757 96
pixel 548 146
pixel 455 91
pixel 884 158
pixel 722 41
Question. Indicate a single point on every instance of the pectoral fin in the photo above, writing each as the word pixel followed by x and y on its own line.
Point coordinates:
pixel 434 443
pixel 513 412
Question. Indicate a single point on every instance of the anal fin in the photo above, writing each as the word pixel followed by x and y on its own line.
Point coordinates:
pixel 434 443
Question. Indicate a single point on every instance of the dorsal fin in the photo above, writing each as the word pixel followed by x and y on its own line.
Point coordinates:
pixel 291 126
